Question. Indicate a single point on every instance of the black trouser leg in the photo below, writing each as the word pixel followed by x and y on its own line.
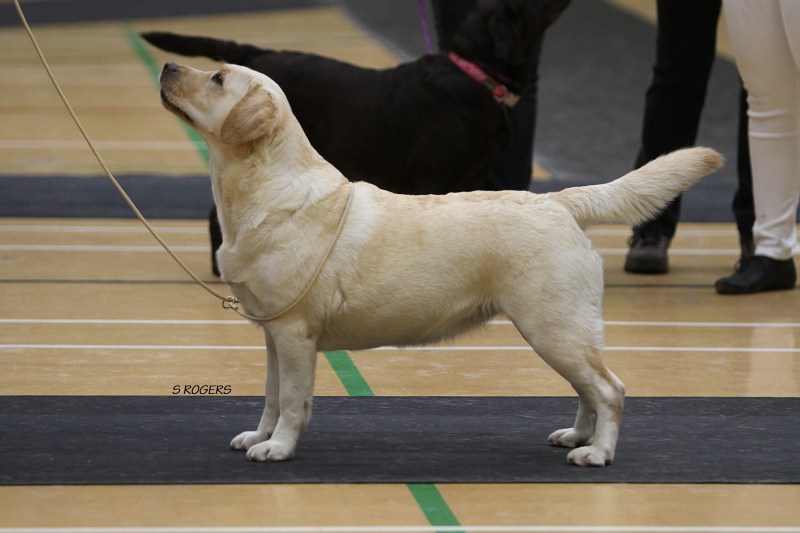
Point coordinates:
pixel 743 207
pixel 685 49
pixel 514 165
pixel 215 231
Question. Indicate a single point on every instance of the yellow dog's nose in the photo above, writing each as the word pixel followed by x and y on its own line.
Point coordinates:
pixel 170 67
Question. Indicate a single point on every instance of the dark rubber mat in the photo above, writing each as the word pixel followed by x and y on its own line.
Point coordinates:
pixel 65 11
pixel 190 197
pixel 117 439
pixel 96 197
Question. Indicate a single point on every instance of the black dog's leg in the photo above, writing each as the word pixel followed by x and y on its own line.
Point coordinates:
pixel 215 231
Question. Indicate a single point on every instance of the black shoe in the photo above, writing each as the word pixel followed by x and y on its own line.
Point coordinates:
pixel 759 273
pixel 648 253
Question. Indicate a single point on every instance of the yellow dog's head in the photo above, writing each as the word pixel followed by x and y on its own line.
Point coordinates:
pixel 232 104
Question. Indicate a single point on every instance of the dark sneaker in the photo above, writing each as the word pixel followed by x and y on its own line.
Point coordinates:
pixel 648 253
pixel 759 273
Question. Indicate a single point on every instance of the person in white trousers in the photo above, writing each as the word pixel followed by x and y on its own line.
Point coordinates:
pixel 765 36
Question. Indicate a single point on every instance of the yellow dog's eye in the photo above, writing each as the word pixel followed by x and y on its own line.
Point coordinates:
pixel 217 78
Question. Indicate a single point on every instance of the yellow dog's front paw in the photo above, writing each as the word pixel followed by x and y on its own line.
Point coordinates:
pixel 569 438
pixel 270 450
pixel 248 439
pixel 590 456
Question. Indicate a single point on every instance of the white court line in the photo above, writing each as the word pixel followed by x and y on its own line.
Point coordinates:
pixel 100 229
pixel 705 324
pixel 87 248
pixel 122 347
pixel 679 324
pixel 609 232
pixel 677 251
pixel 71 248
pixel 686 251
pixel 385 348
pixel 411 529
pixel 126 80
pixel 132 229
pixel 122 321
pixel 102 145
pixel 607 348
pixel 181 229
pixel 95 248
pixel 493 322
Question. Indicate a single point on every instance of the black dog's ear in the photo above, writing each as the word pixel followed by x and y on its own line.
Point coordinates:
pixel 510 12
pixel 252 117
pixel 552 10
pixel 505 27
pixel 519 23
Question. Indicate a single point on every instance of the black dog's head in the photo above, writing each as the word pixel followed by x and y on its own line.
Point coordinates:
pixel 503 34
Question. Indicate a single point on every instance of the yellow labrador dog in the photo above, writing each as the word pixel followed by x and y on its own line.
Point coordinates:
pixel 405 269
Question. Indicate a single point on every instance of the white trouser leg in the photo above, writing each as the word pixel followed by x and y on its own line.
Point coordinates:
pixel 766 42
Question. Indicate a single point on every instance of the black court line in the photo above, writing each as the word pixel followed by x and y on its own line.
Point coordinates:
pixel 164 440
pixel 95 197
pixel 71 11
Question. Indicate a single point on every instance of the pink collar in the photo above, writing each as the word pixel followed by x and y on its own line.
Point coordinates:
pixel 498 90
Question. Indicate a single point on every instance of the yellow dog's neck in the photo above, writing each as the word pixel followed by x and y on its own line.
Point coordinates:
pixel 264 182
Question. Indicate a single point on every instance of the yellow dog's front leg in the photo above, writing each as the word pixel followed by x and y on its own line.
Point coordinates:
pixel 296 361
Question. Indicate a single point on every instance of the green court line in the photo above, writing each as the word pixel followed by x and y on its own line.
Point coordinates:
pixel 348 373
pixel 427 495
pixel 154 68
pixel 143 52
pixel 432 503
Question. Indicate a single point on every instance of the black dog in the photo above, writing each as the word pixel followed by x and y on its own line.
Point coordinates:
pixel 424 127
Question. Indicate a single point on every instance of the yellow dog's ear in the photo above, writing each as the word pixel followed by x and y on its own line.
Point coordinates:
pixel 252 117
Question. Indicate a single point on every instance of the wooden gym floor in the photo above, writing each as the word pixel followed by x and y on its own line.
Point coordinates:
pixel 85 298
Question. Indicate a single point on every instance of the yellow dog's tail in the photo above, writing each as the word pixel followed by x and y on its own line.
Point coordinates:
pixel 640 194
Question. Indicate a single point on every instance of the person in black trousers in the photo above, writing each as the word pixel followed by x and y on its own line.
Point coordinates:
pixel 514 166
pixel 685 49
